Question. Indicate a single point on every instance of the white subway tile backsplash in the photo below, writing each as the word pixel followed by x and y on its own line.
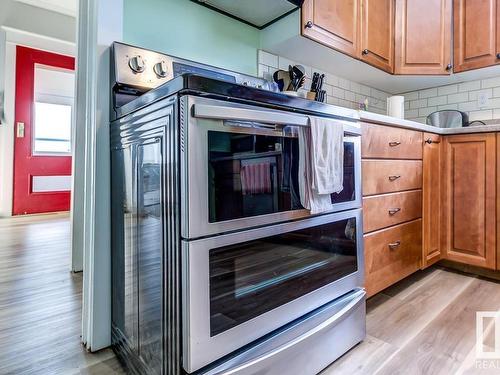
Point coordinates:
pixel 427 93
pixel 493 103
pixel 411 113
pixel 458 98
pixel 340 91
pixel 447 90
pixel 481 115
pixel 355 87
pixel 411 95
pixel 462 96
pixel 344 83
pixel 262 70
pixel 469 86
pixel 424 112
pixel 364 90
pixel 490 82
pixel 284 63
pixel 332 100
pixel 379 94
pixel 438 100
pixel 419 103
pixel 267 58
pixel 467 106
pixel 473 94
pixel 332 79
pixel 447 107
pixel 350 96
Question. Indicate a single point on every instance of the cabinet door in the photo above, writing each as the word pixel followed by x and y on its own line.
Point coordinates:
pixel 476 39
pixel 377 33
pixel 423 37
pixel 470 199
pixel 334 23
pixel 431 215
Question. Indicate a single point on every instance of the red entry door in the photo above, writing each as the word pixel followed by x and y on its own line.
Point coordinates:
pixel 42 150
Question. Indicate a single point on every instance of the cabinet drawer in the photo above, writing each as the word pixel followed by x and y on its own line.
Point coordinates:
pixel 392 254
pixel 382 211
pixel 390 143
pixel 388 176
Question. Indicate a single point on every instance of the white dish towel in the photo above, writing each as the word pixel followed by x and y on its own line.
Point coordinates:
pixel 321 163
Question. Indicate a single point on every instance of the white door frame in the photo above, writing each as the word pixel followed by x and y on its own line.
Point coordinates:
pixel 99 24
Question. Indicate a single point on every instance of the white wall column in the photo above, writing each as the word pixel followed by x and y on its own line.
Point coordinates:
pixel 99 24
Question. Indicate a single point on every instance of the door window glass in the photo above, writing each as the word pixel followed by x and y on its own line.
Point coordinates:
pixel 53 111
pixel 52 129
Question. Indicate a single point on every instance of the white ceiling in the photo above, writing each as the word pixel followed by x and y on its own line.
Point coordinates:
pixel 68 7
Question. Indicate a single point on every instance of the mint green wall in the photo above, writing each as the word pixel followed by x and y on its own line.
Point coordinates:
pixel 188 30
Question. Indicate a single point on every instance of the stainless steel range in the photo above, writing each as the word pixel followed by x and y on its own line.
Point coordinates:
pixel 217 268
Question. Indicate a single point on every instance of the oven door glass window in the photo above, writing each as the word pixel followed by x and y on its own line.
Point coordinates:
pixel 251 278
pixel 251 175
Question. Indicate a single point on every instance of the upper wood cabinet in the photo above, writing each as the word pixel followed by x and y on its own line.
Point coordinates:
pixel 476 35
pixel 469 194
pixel 431 205
pixel 423 37
pixel 334 23
pixel 377 33
pixel 363 29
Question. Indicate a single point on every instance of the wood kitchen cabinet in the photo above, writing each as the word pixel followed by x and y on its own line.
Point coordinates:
pixel 334 23
pixel 476 35
pixel 431 205
pixel 377 33
pixel 363 29
pixel 423 37
pixel 469 199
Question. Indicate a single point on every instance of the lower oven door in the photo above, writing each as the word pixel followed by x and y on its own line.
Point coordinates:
pixel 238 287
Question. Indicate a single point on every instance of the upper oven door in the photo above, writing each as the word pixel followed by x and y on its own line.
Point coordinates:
pixel 238 287
pixel 239 167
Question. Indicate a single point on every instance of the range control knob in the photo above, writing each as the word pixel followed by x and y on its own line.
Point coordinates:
pixel 161 69
pixel 137 64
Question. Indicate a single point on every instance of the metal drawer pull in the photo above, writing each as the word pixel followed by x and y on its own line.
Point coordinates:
pixel 394 211
pixel 394 245
pixel 430 141
pixel 394 144
pixel 394 178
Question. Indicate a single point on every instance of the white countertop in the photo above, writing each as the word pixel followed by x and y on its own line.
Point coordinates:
pixel 396 122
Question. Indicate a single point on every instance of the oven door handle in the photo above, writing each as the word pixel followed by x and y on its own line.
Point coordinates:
pixel 215 112
pixel 334 320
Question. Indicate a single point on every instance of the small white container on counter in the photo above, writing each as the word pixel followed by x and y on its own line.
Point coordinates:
pixel 396 106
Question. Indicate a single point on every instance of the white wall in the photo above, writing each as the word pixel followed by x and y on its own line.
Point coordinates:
pixel 21 24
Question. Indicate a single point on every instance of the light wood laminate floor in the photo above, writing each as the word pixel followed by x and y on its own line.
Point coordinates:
pixel 40 302
pixel 422 325
pixel 426 324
